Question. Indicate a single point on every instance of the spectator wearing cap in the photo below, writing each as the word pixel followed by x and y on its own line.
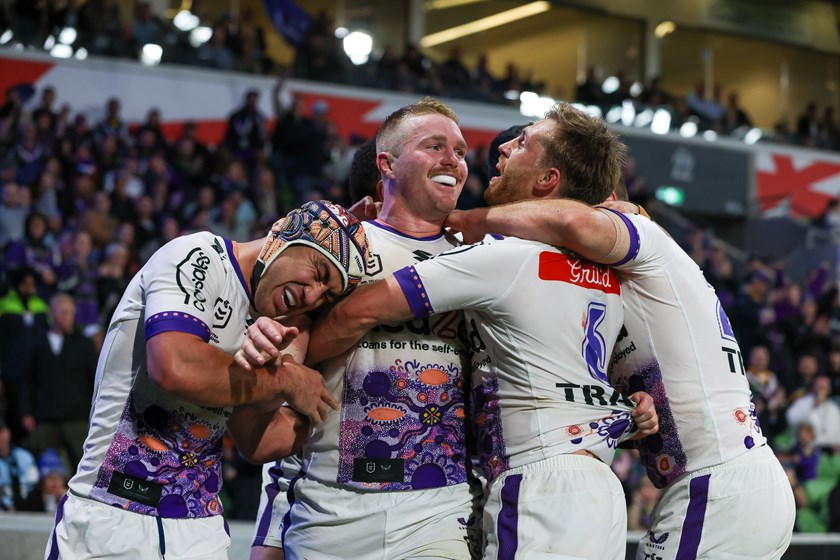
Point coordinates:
pixel 52 485
pixel 57 395
pixel 18 471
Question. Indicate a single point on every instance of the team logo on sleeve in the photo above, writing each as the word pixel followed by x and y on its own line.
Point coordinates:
pixel 191 275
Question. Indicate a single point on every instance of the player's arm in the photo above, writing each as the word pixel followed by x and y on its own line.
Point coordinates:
pixel 267 432
pixel 597 234
pixel 184 365
pixel 368 306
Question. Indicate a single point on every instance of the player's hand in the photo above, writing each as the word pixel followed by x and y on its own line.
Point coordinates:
pixel 468 224
pixel 622 206
pixel 365 209
pixel 304 390
pixel 263 342
pixel 644 415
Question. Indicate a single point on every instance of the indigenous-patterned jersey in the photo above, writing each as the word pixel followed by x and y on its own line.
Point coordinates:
pixel 542 325
pixel 401 422
pixel 678 346
pixel 147 451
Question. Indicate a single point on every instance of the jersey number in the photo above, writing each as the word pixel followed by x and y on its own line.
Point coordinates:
pixel 594 347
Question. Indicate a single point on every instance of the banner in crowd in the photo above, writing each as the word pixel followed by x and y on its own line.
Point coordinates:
pixel 703 178
pixel 795 181
pixel 291 21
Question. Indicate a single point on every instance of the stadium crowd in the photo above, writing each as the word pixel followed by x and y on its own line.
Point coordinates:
pixel 83 205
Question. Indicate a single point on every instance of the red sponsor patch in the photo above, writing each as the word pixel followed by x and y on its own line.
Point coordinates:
pixel 561 268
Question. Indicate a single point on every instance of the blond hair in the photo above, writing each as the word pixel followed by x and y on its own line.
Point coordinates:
pixel 391 136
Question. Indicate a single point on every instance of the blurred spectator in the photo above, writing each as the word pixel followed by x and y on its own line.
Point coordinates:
pixel 817 409
pixel 111 281
pixel 589 91
pixel 215 52
pixel 808 126
pixel 112 125
pixel 734 116
pixel 146 27
pixel 77 276
pixel 23 319
pixel 745 311
pixel 18 471
pixel 51 487
pixel 37 251
pixel 247 131
pixel 805 453
pixel 13 212
pixel 640 512
pixel 46 108
pixel 59 388
pixel 101 25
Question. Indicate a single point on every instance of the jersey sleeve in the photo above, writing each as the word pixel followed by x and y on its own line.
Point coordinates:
pixel 181 282
pixel 468 277
pixel 650 247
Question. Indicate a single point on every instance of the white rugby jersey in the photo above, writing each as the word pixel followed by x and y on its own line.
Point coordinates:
pixel 147 451
pixel 401 422
pixel 541 325
pixel 677 344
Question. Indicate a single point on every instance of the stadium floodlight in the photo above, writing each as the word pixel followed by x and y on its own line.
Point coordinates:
pixel 643 119
pixel 688 129
pixel 81 53
pixel 610 85
pixel 636 89
pixel 6 37
pixel 710 135
pixel 661 122
pixel 49 43
pixel 150 54
pixel 664 29
pixel 511 95
pixel 61 51
pixel 485 23
pixel 628 112
pixel 341 32
pixel 528 96
pixel 536 107
pixel 753 136
pixel 67 36
pixel 358 46
pixel 613 115
pixel 593 111
pixel 186 20
pixel 200 35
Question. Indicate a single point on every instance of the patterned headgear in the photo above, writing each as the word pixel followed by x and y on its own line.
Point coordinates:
pixel 326 227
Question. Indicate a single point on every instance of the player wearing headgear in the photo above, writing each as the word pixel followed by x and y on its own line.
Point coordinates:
pixel 166 384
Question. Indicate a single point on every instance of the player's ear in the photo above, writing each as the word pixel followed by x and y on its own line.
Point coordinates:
pixel 385 164
pixel 548 182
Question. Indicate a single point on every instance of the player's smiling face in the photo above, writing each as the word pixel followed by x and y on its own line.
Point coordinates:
pixel 519 164
pixel 299 280
pixel 431 169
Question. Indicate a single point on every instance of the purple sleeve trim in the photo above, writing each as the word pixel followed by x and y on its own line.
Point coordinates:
pixel 176 321
pixel 635 242
pixel 414 291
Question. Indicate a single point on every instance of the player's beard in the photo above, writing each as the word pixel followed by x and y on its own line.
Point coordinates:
pixel 508 188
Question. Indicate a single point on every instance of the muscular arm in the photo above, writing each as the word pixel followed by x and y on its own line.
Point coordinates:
pixel 596 234
pixel 342 327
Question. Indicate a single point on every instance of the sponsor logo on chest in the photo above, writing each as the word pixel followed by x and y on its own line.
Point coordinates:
pixel 193 269
pixel 556 267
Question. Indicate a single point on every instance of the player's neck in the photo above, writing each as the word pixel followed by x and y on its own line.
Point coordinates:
pixel 409 223
pixel 246 255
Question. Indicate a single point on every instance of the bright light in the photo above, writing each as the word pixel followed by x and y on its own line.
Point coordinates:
pixel 688 129
pixel 673 196
pixel 49 43
pixel 341 32
pixel 661 122
pixel 614 115
pixel 753 136
pixel 150 55
pixel 593 111
pixel 67 36
pixel 358 46
pixel 536 107
pixel 485 23
pixel 6 36
pixel 81 53
pixel 710 135
pixel 610 85
pixel 62 51
pixel 528 96
pixel 643 119
pixel 664 28
pixel 636 89
pixel 511 95
pixel 185 21
pixel 200 35
pixel 628 112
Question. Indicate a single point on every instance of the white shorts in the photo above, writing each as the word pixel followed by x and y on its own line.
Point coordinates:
pixel 568 507
pixel 742 509
pixel 327 522
pixel 86 528
pixel 274 503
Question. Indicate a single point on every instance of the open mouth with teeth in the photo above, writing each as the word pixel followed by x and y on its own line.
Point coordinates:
pixel 290 301
pixel 447 180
